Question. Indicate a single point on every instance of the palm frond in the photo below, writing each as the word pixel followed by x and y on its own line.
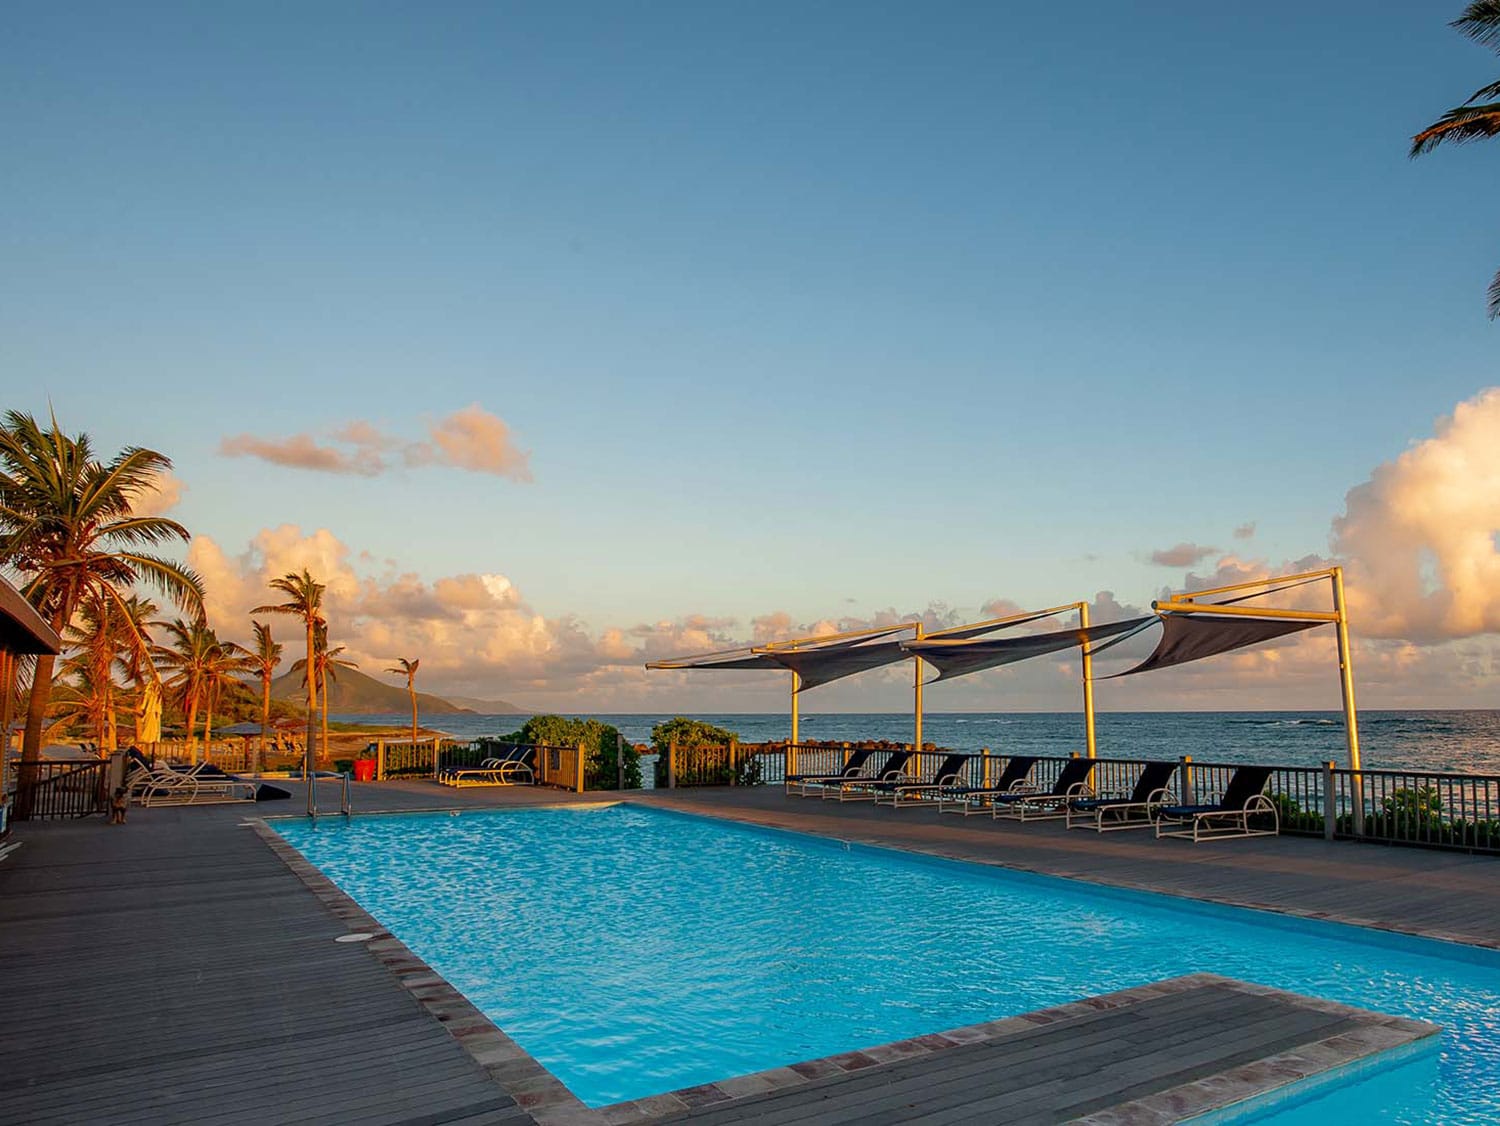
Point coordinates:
pixel 1480 21
pixel 1465 123
pixel 1494 297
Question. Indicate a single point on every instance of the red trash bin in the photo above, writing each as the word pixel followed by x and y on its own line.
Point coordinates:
pixel 364 770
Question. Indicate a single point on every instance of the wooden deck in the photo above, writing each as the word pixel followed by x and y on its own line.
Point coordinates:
pixel 177 969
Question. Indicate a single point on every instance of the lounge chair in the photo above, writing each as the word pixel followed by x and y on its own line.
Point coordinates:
pixel 1137 810
pixel 895 794
pixel 165 786
pixel 1072 784
pixel 975 799
pixel 511 768
pixel 857 788
pixel 852 769
pixel 1244 798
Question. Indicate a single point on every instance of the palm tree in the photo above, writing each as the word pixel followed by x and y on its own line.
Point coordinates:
pixel 136 665
pixel 326 665
pixel 1477 118
pixel 67 521
pixel 93 640
pixel 304 598
pixel 189 661
pixel 266 655
pixel 226 662
pixel 408 669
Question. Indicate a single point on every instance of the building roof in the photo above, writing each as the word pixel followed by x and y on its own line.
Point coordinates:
pixel 22 629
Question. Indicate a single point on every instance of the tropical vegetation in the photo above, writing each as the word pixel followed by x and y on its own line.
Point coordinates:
pixel 69 528
pixel 407 667
pixel 304 599
pixel 602 743
pixel 1477 118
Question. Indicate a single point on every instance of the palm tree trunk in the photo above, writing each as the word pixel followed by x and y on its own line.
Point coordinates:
pixel 36 707
pixel 324 688
pixel 208 727
pixel 192 723
pixel 308 759
pixel 265 718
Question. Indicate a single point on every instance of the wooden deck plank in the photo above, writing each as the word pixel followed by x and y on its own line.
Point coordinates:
pixel 175 969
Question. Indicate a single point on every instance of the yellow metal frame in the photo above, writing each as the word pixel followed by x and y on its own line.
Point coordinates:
pixel 1186 603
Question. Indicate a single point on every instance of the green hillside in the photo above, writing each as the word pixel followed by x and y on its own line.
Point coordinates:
pixel 354 692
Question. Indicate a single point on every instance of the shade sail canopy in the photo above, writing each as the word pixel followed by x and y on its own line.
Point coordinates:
pixel 834 662
pixel 975 656
pixel 1192 637
pixel 748 657
pixel 22 629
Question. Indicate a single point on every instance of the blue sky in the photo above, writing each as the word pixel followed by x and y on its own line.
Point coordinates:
pixel 821 308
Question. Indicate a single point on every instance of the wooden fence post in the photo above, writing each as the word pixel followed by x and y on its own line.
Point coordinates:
pixel 380 760
pixel 734 761
pixel 672 765
pixel 436 745
pixel 1330 803
pixel 578 769
pixel 1186 769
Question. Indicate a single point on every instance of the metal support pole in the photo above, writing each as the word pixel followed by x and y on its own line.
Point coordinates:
pixel 1346 670
pixel 917 704
pixel 1330 802
pixel 796 688
pixel 1088 685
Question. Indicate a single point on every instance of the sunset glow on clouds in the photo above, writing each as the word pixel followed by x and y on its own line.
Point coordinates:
pixel 1418 540
pixel 470 439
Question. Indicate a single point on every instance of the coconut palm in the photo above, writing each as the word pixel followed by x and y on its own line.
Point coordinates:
pixel 408 669
pixel 1477 118
pixel 304 598
pixel 93 644
pixel 137 668
pixel 226 664
pixel 188 660
pixel 326 665
pixel 267 656
pixel 68 527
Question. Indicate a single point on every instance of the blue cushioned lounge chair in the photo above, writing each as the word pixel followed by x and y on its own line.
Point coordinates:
pixel 1072 784
pixel 858 787
pixel 976 799
pixel 949 773
pixel 1244 798
pixel 805 784
pixel 1137 810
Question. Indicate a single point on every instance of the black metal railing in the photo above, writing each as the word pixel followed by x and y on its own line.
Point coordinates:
pixel 54 790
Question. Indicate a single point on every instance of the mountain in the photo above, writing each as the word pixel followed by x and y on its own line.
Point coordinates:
pixel 488 707
pixel 355 693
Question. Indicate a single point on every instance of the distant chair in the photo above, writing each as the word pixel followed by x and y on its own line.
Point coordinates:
pixel 858 788
pixel 1072 785
pixel 808 784
pixel 895 794
pixel 1230 817
pixel 1137 810
pixel 512 767
pixel 976 799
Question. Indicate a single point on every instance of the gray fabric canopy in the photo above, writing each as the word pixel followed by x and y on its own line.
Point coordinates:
pixel 960 660
pixel 751 658
pixel 834 662
pixel 1192 637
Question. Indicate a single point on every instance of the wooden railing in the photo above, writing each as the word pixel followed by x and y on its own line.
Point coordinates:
pixel 405 758
pixel 47 790
pixel 561 766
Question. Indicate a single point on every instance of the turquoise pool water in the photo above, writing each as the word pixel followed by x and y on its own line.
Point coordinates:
pixel 635 951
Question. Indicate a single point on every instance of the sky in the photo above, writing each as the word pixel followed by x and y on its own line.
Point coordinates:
pixel 562 337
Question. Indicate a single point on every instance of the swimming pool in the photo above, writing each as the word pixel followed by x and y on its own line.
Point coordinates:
pixel 634 951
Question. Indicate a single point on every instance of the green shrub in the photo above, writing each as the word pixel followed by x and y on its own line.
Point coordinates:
pixel 693 735
pixel 602 745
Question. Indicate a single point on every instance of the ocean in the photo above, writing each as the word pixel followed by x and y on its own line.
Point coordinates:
pixel 1462 741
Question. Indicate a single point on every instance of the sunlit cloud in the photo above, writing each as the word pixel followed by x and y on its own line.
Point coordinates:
pixel 471 439
pixel 1182 555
